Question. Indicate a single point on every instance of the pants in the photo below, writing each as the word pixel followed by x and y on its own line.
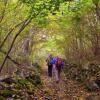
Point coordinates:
pixel 56 73
pixel 50 70
pixel 59 71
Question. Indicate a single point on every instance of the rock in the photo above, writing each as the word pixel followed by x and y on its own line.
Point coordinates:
pixel 9 87
pixel 98 82
pixel 10 98
pixel 92 97
pixel 35 79
pixel 2 87
pixel 92 86
pixel 30 92
pixel 7 80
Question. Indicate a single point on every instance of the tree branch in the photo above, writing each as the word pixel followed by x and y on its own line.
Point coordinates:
pixel 1 45
pixel 15 62
pixel 14 39
pixel 10 58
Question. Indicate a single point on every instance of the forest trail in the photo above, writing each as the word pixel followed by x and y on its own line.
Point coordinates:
pixel 66 90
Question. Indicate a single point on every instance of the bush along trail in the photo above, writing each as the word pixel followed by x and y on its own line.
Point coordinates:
pixel 22 85
pixel 37 85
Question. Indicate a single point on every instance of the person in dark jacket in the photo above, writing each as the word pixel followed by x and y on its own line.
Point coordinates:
pixel 49 64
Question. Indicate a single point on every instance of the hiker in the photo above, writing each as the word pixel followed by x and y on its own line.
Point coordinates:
pixel 49 64
pixel 58 65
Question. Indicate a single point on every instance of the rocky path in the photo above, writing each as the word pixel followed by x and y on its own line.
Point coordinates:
pixel 65 90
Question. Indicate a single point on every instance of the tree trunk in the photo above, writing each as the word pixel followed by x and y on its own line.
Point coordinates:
pixel 17 34
pixel 8 34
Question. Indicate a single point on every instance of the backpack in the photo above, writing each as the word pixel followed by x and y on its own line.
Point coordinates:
pixel 58 63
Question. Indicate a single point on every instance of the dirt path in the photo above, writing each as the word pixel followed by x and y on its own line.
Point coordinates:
pixel 66 90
